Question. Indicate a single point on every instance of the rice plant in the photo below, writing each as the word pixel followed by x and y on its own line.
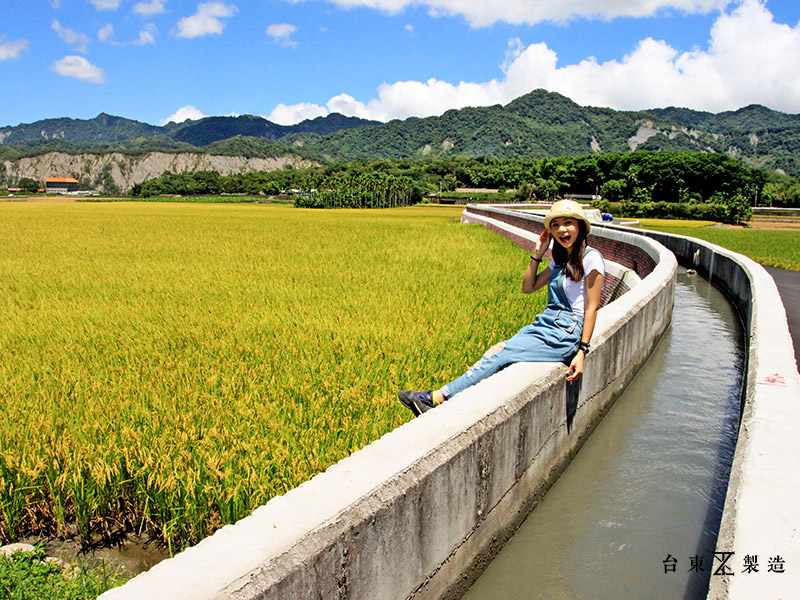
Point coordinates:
pixel 169 367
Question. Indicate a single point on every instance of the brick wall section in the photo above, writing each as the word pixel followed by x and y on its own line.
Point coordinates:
pixel 517 220
pixel 613 287
pixel 627 255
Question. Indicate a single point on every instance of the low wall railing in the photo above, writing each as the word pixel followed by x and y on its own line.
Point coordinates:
pixel 759 519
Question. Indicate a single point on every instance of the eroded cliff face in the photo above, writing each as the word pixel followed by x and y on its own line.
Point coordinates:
pixel 125 171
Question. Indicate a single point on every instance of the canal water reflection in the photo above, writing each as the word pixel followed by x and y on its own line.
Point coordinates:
pixel 649 484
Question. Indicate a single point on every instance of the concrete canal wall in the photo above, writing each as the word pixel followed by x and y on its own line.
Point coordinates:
pixel 419 512
pixel 760 518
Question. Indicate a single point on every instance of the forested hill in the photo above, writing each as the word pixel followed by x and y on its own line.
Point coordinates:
pixel 543 124
pixel 537 125
pixel 107 129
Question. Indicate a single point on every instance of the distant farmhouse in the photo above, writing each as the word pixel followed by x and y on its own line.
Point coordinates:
pixel 61 185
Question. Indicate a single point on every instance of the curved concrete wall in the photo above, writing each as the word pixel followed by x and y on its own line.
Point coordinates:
pixel 419 512
pixel 759 518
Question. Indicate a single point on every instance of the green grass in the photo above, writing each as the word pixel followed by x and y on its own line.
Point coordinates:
pixel 170 367
pixel 24 576
pixel 772 248
pixel 666 224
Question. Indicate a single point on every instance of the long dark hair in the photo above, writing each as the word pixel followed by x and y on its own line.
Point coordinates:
pixel 572 263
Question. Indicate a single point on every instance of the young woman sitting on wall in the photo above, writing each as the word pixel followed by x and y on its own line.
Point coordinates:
pixel 562 332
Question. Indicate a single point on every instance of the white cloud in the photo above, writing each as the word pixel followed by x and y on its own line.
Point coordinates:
pixel 343 104
pixel 481 13
pixel 147 35
pixel 182 114
pixel 12 50
pixel 281 33
pixel 76 39
pixel 289 115
pixel 106 34
pixel 750 59
pixel 78 67
pixel 106 4
pixel 148 9
pixel 206 21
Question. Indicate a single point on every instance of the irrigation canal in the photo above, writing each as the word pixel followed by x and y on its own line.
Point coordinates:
pixel 649 484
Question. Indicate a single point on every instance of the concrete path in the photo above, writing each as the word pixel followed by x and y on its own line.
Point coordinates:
pixel 788 283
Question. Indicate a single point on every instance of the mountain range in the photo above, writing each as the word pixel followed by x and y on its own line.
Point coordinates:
pixel 537 125
pixel 108 129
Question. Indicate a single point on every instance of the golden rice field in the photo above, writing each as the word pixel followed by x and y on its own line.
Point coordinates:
pixel 169 367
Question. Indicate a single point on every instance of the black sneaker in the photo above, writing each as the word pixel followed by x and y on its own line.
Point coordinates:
pixel 417 402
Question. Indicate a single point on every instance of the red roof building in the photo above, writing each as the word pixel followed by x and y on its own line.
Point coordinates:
pixel 61 185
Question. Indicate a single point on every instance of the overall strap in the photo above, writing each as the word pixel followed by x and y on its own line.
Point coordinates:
pixel 557 297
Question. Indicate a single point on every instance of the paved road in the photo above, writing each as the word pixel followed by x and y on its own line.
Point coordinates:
pixel 788 283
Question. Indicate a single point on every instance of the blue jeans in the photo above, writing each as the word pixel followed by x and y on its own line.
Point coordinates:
pixel 552 337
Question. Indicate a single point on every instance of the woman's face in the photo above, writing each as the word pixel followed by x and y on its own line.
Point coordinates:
pixel 565 231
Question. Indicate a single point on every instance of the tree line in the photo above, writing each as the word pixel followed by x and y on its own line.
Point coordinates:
pixel 642 176
pixel 362 190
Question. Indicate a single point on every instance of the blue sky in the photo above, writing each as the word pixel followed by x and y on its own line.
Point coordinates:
pixel 156 60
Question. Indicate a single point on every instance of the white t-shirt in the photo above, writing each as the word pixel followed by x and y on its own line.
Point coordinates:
pixel 576 290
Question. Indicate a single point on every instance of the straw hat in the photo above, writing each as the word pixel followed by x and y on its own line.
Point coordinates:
pixel 566 208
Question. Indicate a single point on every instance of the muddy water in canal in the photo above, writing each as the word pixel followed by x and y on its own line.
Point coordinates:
pixel 649 484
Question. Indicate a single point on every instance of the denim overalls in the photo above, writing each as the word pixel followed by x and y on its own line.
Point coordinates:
pixel 552 337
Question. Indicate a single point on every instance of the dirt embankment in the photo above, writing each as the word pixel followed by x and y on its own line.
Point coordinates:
pixel 125 171
pixel 784 223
